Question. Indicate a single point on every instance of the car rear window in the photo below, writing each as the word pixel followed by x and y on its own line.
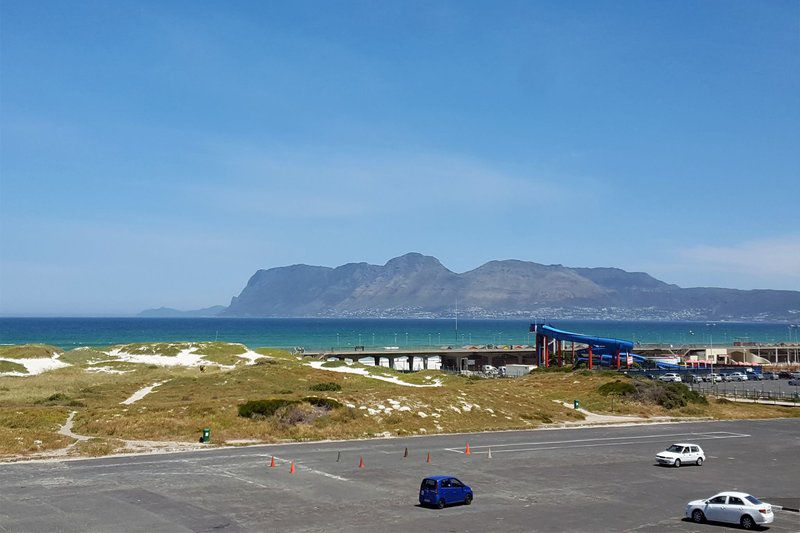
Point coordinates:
pixel 429 484
pixel 753 500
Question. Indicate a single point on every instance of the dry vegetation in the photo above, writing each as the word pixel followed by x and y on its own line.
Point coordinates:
pixel 33 408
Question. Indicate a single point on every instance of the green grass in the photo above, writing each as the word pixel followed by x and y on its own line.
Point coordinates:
pixel 8 366
pixel 276 353
pixel 219 348
pixel 168 349
pixel 27 351
pixel 83 356
pixel 223 359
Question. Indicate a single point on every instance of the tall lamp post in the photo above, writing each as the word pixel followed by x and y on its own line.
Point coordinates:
pixel 711 340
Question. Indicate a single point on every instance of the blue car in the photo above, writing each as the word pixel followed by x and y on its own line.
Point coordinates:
pixel 438 491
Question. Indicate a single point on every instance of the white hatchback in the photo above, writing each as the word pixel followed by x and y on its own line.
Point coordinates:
pixel 675 378
pixel 681 453
pixel 733 508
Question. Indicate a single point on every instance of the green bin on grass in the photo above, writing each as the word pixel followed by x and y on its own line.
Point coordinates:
pixel 206 435
pixel 576 404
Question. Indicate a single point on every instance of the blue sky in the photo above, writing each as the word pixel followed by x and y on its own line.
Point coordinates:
pixel 158 153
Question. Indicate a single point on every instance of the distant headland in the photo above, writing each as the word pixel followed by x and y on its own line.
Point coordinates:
pixel 419 286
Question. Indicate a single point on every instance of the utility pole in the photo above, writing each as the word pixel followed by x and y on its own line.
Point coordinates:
pixel 456 319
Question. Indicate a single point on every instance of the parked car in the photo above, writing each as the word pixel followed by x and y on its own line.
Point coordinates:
pixel 735 376
pixel 681 453
pixel 712 377
pixel 731 507
pixel 670 377
pixel 783 374
pixel 438 491
pixel 693 378
pixel 754 376
pixel 769 376
pixel 794 382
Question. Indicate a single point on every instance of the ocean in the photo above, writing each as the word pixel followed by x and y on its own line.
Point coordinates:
pixel 322 333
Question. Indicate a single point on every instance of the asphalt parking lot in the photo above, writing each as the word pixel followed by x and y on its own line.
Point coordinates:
pixel 592 479
pixel 773 386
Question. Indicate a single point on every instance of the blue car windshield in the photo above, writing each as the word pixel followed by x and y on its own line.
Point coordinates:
pixel 754 500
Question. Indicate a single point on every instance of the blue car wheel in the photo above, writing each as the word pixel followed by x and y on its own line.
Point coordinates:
pixel 440 504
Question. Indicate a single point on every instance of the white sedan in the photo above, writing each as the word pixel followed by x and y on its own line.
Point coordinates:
pixel 672 377
pixel 731 507
pixel 681 453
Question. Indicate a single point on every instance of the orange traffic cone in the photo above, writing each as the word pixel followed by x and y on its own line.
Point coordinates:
pixel 467 452
pixel 429 458
pixel 361 462
pixel 405 453
pixel 272 462
pixel 291 470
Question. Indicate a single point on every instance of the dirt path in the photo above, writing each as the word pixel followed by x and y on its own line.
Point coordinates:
pixel 594 418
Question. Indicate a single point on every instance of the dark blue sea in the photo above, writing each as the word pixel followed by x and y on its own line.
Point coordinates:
pixel 332 333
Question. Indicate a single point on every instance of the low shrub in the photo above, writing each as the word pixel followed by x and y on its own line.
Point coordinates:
pixel 263 407
pixel 327 386
pixel 667 395
pixel 617 388
pixel 297 413
pixel 267 408
pixel 60 398
pixel 326 403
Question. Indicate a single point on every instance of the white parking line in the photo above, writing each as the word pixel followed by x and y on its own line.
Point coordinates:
pixel 599 441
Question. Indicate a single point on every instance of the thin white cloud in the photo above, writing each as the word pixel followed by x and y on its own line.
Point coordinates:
pixel 772 262
pixel 777 256
pixel 335 185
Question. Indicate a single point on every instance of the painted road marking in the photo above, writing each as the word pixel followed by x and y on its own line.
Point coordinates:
pixel 599 441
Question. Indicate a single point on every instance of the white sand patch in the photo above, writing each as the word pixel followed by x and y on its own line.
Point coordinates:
pixel 363 372
pixel 141 393
pixel 106 370
pixel 186 357
pixel 422 415
pixel 36 365
pixel 456 409
pixel 252 356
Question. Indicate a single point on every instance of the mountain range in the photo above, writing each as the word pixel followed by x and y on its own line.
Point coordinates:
pixel 416 285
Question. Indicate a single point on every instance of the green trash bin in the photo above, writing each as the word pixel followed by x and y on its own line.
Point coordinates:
pixel 576 404
pixel 206 435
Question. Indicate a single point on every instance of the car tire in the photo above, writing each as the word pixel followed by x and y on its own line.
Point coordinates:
pixel 440 504
pixel 747 522
pixel 699 461
pixel 698 517
pixel 468 499
pixel 677 463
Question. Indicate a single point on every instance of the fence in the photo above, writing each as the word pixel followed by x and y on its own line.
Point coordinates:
pixel 744 393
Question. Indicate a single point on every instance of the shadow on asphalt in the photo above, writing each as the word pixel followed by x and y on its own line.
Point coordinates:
pixel 434 508
pixel 723 524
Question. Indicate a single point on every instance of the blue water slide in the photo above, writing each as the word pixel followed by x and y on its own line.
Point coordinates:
pixel 604 342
